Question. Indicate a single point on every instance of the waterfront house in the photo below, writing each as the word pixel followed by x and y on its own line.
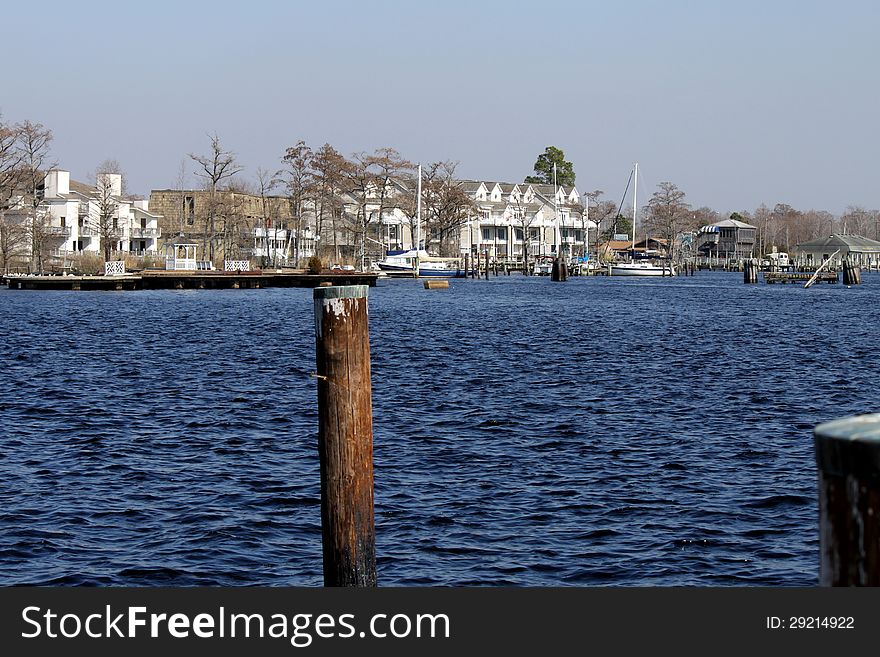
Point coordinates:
pixel 861 251
pixel 73 217
pixel 730 239
pixel 512 220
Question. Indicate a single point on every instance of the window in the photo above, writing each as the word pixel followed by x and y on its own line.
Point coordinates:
pixel 534 233
pixel 487 234
pixel 63 222
pixel 189 209
pixel 518 232
pixel 485 214
pixel 116 225
pixel 502 233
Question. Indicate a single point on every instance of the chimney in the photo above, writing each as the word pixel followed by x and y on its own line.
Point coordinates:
pixel 57 183
pixel 113 181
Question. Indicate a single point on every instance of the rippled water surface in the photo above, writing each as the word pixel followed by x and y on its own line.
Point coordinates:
pixel 596 432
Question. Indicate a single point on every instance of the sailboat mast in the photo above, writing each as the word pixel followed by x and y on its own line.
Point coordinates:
pixel 558 236
pixel 635 202
pixel 418 219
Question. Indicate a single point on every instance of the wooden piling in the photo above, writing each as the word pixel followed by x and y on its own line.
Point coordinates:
pixel 559 271
pixel 848 460
pixel 750 271
pixel 436 284
pixel 852 275
pixel 487 264
pixel 345 435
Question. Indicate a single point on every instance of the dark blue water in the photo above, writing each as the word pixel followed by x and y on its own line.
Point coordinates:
pixel 597 432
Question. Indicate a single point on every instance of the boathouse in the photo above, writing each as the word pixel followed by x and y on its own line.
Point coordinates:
pixel 861 251
pixel 730 239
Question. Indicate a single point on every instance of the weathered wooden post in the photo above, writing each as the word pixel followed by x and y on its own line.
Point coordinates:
pixel 466 262
pixel 848 460
pixel 487 263
pixel 750 271
pixel 559 270
pixel 851 274
pixel 345 435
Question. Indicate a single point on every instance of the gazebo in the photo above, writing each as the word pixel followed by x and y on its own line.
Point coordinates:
pixel 180 257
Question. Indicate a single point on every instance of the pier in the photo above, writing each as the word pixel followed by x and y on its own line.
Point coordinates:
pixel 189 280
pixel 799 277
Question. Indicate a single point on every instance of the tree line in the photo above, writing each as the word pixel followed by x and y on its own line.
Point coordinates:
pixel 344 199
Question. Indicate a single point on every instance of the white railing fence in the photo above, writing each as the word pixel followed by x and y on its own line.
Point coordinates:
pixel 114 268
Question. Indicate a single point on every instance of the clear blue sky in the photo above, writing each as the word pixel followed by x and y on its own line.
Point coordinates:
pixel 738 103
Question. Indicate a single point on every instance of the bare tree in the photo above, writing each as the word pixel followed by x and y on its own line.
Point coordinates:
pixel 266 182
pixel 235 217
pixel 369 179
pixel 218 166
pixel 299 178
pixel 667 213
pixel 10 159
pixel 783 222
pixel 447 207
pixel 602 213
pixel 860 221
pixel 106 221
pixel 12 233
pixel 33 149
pixel 330 167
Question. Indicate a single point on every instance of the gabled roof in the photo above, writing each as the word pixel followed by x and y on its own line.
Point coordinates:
pixel 548 190
pixel 471 186
pixel 616 245
pixel 855 243
pixel 83 188
pixel 732 223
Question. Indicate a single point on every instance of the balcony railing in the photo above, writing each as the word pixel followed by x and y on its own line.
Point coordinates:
pixel 58 231
pixel 145 232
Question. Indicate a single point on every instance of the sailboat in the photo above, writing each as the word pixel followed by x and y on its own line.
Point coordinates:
pixel 634 267
pixel 416 262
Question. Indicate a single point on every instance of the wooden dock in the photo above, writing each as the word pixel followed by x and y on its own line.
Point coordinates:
pixel 799 277
pixel 188 280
